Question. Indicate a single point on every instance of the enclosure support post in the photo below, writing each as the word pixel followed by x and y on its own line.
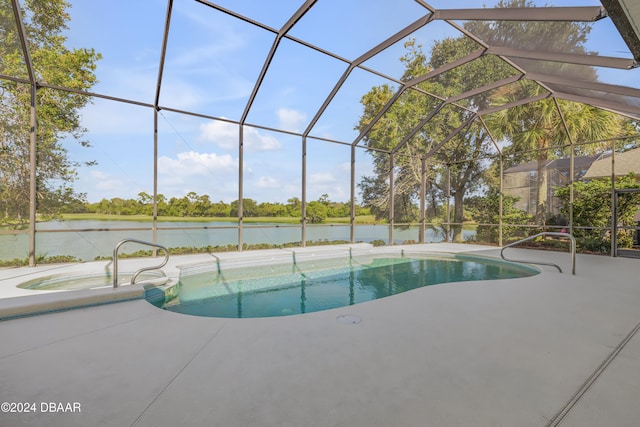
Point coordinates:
pixel 448 219
pixel 423 196
pixel 156 109
pixel 240 184
pixel 33 194
pixel 303 219
pixel 614 224
pixel 572 172
pixel 155 181
pixel 614 204
pixel 500 242
pixel 391 199
pixel 33 147
pixel 352 209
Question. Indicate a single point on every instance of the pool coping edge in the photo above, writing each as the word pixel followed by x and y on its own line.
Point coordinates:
pixel 30 305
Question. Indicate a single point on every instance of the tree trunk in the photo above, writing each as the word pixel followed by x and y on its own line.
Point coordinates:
pixel 458 216
pixel 542 184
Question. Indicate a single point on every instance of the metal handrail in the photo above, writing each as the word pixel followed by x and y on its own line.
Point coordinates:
pixel 546 233
pixel 135 275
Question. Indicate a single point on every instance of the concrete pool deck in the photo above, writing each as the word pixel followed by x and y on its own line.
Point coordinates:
pixel 553 349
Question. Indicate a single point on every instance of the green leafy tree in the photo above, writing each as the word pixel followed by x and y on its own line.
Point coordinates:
pixel 220 209
pixel 163 207
pixel 145 204
pixel 58 112
pixel 249 208
pixel 194 205
pixel 316 212
pixel 592 208
pixel 294 206
pixel 201 206
pixel 272 209
pixel 406 114
pixel 178 206
pixel 486 210
pixel 536 131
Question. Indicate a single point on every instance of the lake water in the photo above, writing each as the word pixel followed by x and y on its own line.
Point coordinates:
pixel 87 245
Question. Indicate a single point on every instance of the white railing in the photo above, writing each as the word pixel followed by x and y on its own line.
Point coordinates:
pixel 137 273
pixel 545 233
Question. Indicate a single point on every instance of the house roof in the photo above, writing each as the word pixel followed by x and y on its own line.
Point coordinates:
pixel 580 162
pixel 625 163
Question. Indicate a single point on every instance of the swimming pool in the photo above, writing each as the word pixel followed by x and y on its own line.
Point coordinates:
pixel 304 287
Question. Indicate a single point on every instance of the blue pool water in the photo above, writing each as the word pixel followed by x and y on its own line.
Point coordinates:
pixel 283 290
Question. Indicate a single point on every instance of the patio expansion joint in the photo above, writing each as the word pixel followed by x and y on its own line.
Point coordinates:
pixel 573 401
pixel 178 373
pixel 92 331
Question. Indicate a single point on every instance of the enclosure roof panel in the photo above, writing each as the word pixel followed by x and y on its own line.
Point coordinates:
pixel 289 65
pixel 626 16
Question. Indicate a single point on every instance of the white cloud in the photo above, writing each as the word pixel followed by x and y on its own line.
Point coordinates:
pixel 191 163
pixel 267 182
pixel 345 167
pixel 104 182
pixel 100 185
pixel 203 173
pixel 322 178
pixel 291 120
pixel 335 183
pixel 226 135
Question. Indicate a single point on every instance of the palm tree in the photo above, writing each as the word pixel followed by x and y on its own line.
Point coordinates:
pixel 537 132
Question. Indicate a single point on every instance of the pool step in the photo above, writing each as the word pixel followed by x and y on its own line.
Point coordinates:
pixel 160 295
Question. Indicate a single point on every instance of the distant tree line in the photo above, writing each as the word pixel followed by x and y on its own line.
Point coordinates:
pixel 194 205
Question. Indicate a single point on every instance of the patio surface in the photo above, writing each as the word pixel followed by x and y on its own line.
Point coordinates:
pixel 553 349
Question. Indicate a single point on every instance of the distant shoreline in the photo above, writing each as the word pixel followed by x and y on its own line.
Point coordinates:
pixel 363 219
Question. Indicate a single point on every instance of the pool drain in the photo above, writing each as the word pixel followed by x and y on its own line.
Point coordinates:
pixel 348 319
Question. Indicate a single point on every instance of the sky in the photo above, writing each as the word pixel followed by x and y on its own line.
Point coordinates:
pixel 211 66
